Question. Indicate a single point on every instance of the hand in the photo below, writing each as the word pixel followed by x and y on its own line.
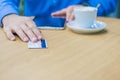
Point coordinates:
pixel 24 27
pixel 66 13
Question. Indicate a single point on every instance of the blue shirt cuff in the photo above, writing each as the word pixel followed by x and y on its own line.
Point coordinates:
pixel 7 11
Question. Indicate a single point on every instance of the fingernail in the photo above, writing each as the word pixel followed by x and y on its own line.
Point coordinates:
pixel 67 20
pixel 34 39
pixel 39 37
pixel 25 39
pixel 12 39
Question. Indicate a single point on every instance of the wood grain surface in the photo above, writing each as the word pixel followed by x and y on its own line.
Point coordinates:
pixel 69 56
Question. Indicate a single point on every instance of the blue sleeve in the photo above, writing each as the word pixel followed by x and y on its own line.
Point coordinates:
pixel 8 7
pixel 107 6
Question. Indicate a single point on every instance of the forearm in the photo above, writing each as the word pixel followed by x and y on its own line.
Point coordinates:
pixel 7 8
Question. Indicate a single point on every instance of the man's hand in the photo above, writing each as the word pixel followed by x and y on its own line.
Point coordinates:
pixel 24 27
pixel 66 13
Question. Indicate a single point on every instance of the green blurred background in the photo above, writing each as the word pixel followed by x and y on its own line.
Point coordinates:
pixel 115 14
pixel 21 7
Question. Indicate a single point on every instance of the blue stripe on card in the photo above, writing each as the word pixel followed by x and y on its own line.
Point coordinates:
pixel 43 43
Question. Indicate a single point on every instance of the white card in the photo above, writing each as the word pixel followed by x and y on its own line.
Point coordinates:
pixel 40 44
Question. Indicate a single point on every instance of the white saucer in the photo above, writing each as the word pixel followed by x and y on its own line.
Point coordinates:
pixel 98 26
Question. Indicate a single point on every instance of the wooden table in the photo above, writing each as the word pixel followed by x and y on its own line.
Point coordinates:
pixel 70 56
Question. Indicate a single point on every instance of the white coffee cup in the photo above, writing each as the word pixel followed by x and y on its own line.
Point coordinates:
pixel 85 16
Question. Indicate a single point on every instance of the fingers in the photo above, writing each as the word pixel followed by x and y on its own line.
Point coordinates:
pixel 32 31
pixel 20 33
pixel 61 13
pixel 32 17
pixel 70 17
pixel 9 34
pixel 65 13
pixel 69 14
pixel 26 32
pixel 24 27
